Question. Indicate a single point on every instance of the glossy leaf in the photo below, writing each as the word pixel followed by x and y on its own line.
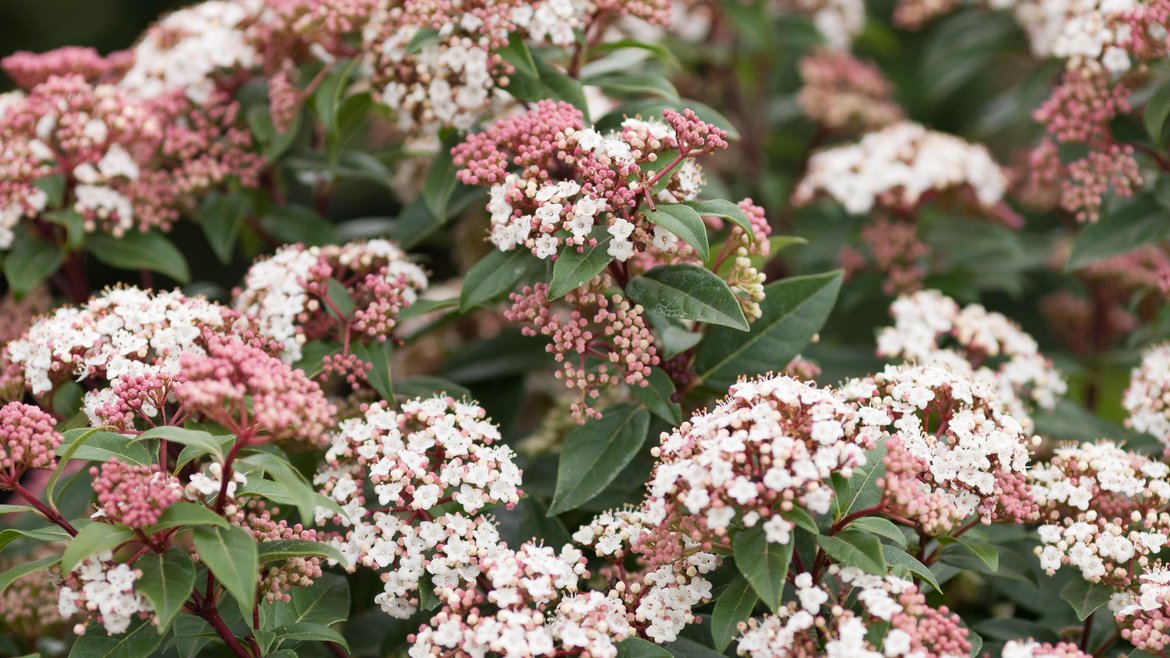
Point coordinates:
pixel 286 549
pixel 855 549
pixel 688 292
pixel 200 441
pixel 764 564
pixel 596 452
pixel 636 647
pixel 881 527
pixel 23 569
pixel 657 396
pixel 727 210
pixel 138 641
pixel 231 556
pixel 1085 597
pixel 574 269
pixel 93 538
pixel 186 515
pixel 166 582
pixel 29 262
pixel 683 221
pixel 897 557
pixel 493 276
pixel 734 605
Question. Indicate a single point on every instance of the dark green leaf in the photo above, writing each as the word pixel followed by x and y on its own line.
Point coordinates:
pixel 792 312
pixel 184 515
pixel 424 386
pixel 727 210
pixel 764 564
pixel 574 269
pixel 683 221
pixel 652 108
pixel 801 519
pixel 855 549
pixel 140 640
pixel 1085 597
pixel 103 446
pixel 688 292
pixel 1155 115
pixel 517 54
pixel 897 557
pixel 328 95
pixel 308 631
pixel 74 225
pixel 733 606
pixel 635 647
pixel 420 39
pixel 596 452
pixel 231 556
pixel 1140 222
pixel 48 533
pixel 979 548
pixel 140 251
pixel 93 538
pixel 635 84
pixel 222 217
pixel 73 441
pixel 493 276
pixel 877 525
pixel 191 635
pixel 202 442
pixel 293 485
pixel 31 261
pixel 861 490
pixel 325 602
pixel 660 52
pixel 166 582
pixel 293 223
pixel 440 182
pixel 657 396
pixel 286 549
pixel 378 356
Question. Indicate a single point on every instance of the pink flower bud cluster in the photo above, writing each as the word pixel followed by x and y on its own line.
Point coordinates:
pixel 433 452
pixel 291 294
pixel 818 623
pixel 253 394
pixel 1148 397
pixel 1144 615
pixel 28 439
pixel 134 495
pixel 105 591
pixel 28 69
pixel 28 606
pixel 914 14
pixel 508 616
pixel 954 449
pixel 843 93
pixel 556 183
pixel 670 579
pixel 1102 508
pixel 930 327
pixel 129 164
pixel 603 341
pixel 1033 649
pixel 895 250
pixel 770 445
pixel 900 167
pixel 277 581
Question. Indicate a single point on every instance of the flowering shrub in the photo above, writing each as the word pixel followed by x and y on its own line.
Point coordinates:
pixel 598 328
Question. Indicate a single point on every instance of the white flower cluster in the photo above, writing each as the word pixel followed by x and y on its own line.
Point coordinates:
pixel 554 208
pixel 1083 31
pixel 450 78
pixel 896 166
pixel 522 586
pixel 186 48
pixel 1153 594
pixel 1102 503
pixel 105 590
pixel 432 452
pixel 843 633
pixel 202 485
pixel 122 332
pixel 282 292
pixel 1034 649
pixel 1148 397
pixel 591 622
pixel 661 596
pixel 926 322
pixel 771 442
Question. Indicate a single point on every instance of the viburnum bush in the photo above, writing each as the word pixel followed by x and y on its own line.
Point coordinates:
pixel 599 328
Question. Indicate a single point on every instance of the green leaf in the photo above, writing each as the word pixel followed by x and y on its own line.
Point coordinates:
pixel 660 52
pixel 425 386
pixel 733 606
pixel 727 210
pixel 855 549
pixel 140 640
pixel 31 261
pixel 1155 115
pixel 684 647
pixel 166 582
pixel 801 519
pixel 861 490
pixel 378 356
pixel 308 631
pixel 294 223
pixel 325 602
pixel 420 39
pixel 74 439
pixel 792 312
pixel 231 556
pixel 103 446
pixel 653 107
pixel 202 442
pixel 440 182
pixel 286 549
pixel 93 538
pixel 140 251
pixel 657 396
pixel 222 217
pixel 293 485
pixel 328 95
pixel 74 225
pixel 636 647
pixel 493 276
pixel 188 515
pixel 1085 597
pixel 47 533
pixel 897 557
pixel 635 84
pixel 1138 223
pixel 191 635
pixel 683 221
pixel 517 54
pixel 16 509
pixel 979 548
pixel 596 452
pixel 764 564
pixel 688 292
pixel 877 525
pixel 25 568
pixel 574 269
